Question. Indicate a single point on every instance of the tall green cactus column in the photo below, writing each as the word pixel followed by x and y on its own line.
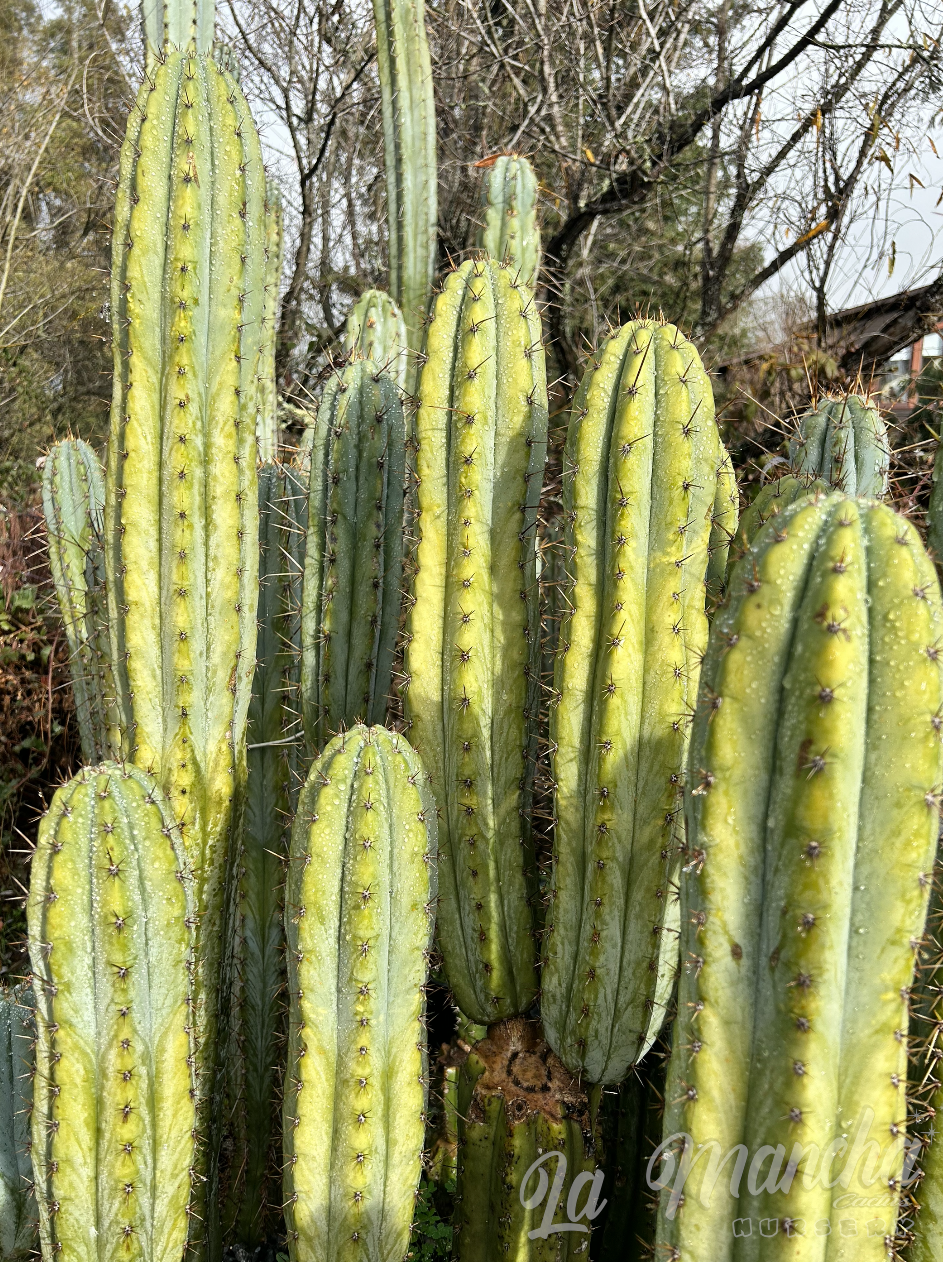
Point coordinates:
pixel 111 937
pixel 472 631
pixel 816 765
pixel 409 143
pixel 509 232
pixel 184 25
pixel 267 424
pixel 376 330
pixel 844 442
pixel 640 477
pixel 725 520
pixel 17 1205
pixel 359 909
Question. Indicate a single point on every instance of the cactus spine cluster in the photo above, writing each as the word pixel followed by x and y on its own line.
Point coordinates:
pixel 358 913
pixel 73 508
pixel 844 442
pixel 17 1206
pixel 111 936
pixel 509 232
pixel 816 763
pixel 472 632
pixel 640 478
pixel 409 142
pixel 376 330
pixel 267 424
pixel 354 559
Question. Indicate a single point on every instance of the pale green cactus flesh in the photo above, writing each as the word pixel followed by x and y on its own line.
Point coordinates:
pixel 73 508
pixel 376 330
pixel 17 1206
pixel 770 500
pixel 111 945
pixel 639 486
pixel 359 912
pixel 815 763
pixel 509 232
pixel 267 422
pixel 844 442
pixel 724 523
pixel 185 25
pixel 354 560
pixel 472 631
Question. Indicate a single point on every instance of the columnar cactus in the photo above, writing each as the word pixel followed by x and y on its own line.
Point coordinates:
pixel 509 232
pixel 184 25
pixel 267 423
pixel 408 105
pixel 770 500
pixel 359 914
pixel 921 1229
pixel 844 442
pixel 935 508
pixel 516 1104
pixel 111 945
pixel 73 507
pixel 639 486
pixel 472 631
pixel 17 1207
pixel 354 560
pixel 815 766
pixel 724 522
pixel 376 330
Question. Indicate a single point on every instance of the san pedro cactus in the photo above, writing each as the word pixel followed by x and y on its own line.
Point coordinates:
pixel 408 105
pixel 185 25
pixel 111 945
pixel 267 423
pixel 358 914
pixel 354 559
pixel 509 232
pixel 770 500
pixel 274 736
pixel 724 522
pixel 17 1207
pixel 815 765
pixel 639 486
pixel 73 507
pixel 517 1106
pixel 844 442
pixel 935 508
pixel 472 631
pixel 376 330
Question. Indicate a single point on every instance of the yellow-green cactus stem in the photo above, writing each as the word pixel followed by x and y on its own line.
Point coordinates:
pixel 111 938
pixel 376 330
pixel 844 442
pixel 472 656
pixel 724 523
pixel 17 1206
pixel 267 423
pixel 359 909
pixel 639 486
pixel 73 507
pixel 509 232
pixel 516 1104
pixel 354 560
pixel 813 815
pixel 408 105
pixel 770 500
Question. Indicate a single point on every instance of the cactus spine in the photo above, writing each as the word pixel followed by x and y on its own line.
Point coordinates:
pixel 509 204
pixel 17 1206
pixel 640 475
pixel 111 939
pixel 354 559
pixel 267 424
pixel 844 442
pixel 472 633
pixel 409 142
pixel 771 500
pixel 812 828
pixel 517 1103
pixel 376 330
pixel 359 914
pixel 73 506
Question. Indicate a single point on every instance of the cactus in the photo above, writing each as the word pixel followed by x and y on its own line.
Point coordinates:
pixel 17 1206
pixel 639 486
pixel 816 763
pixel 185 25
pixel 358 917
pixel 472 634
pixel 517 1103
pixel 770 500
pixel 724 523
pixel 509 203
pixel 935 508
pixel 354 559
pixel 111 937
pixel 73 504
pixel 267 423
pixel 376 330
pixel 844 442
pixel 408 105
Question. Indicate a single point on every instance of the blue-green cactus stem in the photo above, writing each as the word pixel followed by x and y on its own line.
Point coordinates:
pixel 376 330
pixel 17 1205
pixel 844 442
pixel 724 523
pixel 509 232
pixel 184 25
pixel 267 423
